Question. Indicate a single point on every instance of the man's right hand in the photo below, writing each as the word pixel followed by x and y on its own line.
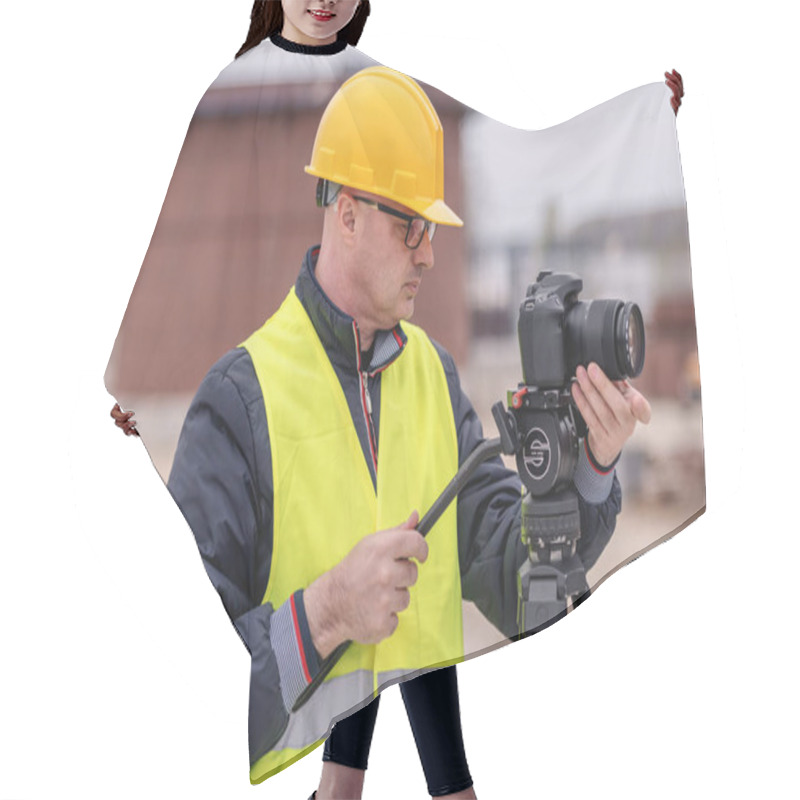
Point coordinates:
pixel 360 598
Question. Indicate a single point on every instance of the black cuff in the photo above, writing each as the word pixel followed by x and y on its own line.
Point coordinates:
pixel 593 461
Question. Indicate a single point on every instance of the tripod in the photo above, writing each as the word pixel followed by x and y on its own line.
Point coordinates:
pixel 543 426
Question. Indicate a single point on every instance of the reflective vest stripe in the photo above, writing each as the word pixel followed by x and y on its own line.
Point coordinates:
pixel 309 728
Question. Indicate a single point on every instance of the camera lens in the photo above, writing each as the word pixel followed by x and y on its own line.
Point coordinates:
pixel 608 332
pixel 630 340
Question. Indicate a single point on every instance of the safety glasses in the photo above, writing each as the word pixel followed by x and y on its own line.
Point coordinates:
pixel 416 225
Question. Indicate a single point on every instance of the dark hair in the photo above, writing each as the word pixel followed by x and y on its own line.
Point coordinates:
pixel 266 19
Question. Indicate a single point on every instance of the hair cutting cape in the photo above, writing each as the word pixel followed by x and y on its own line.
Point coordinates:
pixel 600 196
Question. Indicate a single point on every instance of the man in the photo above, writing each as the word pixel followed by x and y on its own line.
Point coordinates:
pixel 306 533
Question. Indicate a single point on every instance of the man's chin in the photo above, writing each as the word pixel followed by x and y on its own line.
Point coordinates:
pixel 404 311
pixel 409 309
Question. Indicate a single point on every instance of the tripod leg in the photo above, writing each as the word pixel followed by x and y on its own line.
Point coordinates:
pixel 543 600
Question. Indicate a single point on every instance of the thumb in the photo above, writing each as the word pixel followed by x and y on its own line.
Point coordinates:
pixel 412 521
pixel 641 409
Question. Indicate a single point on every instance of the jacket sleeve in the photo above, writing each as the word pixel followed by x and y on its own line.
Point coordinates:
pixel 221 481
pixel 490 547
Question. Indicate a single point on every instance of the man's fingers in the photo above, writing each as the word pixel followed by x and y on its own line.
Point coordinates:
pixel 416 547
pixel 402 600
pixel 637 402
pixel 406 543
pixel 619 395
pixel 641 408
pixel 405 573
pixel 586 409
pixel 610 409
pixel 604 397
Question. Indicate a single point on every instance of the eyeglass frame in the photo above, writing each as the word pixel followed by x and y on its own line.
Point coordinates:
pixel 430 227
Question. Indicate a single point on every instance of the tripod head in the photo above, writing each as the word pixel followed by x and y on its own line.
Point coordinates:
pixel 546 451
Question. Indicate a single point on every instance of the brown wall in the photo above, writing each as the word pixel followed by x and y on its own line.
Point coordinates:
pixel 237 220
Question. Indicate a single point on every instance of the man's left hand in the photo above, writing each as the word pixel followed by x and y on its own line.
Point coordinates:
pixel 610 409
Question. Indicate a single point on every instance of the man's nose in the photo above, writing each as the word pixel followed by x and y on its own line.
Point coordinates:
pixel 423 255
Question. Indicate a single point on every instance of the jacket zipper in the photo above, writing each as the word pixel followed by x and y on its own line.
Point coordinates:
pixel 370 424
pixel 366 402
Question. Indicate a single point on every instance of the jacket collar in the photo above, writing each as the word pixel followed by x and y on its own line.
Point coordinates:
pixel 338 331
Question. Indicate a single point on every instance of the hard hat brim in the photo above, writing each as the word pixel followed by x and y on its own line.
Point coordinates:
pixel 440 213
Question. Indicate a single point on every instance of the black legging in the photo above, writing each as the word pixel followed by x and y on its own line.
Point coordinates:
pixel 432 706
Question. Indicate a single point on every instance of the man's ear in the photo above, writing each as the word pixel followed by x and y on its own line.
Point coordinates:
pixel 346 214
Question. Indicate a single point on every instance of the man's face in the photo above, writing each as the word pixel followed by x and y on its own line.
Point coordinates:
pixel 315 22
pixel 386 273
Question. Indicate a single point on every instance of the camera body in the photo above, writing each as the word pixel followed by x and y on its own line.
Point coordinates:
pixel 558 332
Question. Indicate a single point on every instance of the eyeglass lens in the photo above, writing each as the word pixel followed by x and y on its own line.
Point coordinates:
pixel 416 230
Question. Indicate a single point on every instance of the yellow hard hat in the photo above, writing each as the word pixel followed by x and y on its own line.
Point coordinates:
pixel 381 134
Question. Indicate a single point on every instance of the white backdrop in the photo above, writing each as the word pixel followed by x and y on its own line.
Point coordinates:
pixel 119 673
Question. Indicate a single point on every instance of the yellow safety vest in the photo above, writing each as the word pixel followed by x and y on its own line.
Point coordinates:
pixel 325 502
